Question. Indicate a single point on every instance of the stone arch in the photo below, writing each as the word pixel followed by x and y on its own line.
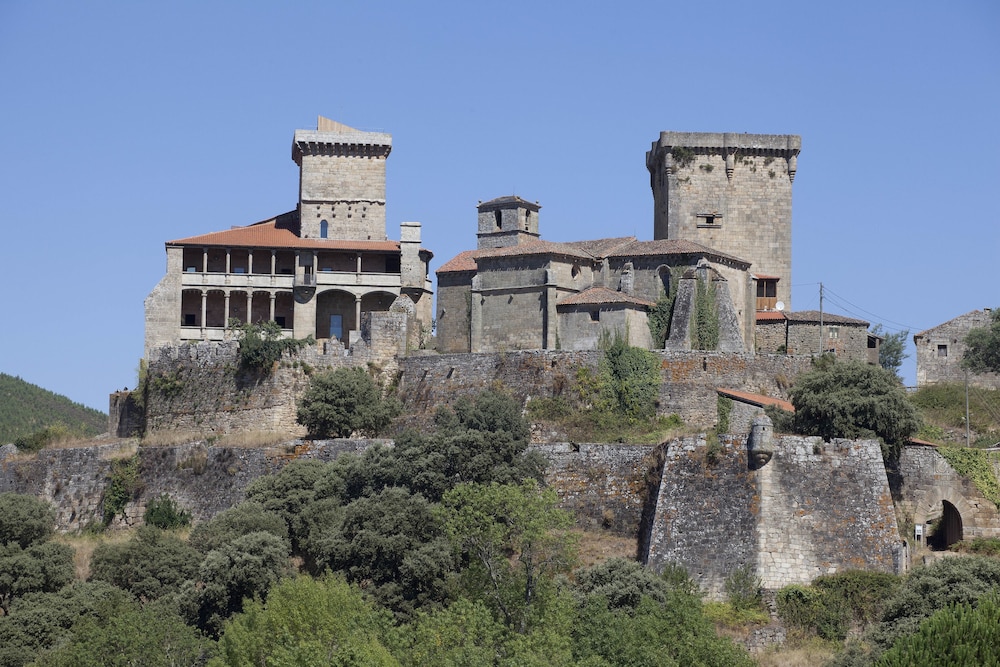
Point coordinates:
pixel 335 308
pixel 663 279
pixel 377 301
pixel 952 514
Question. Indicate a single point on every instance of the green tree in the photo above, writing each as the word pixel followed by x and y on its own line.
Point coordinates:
pixel 244 568
pixel 41 567
pixel 515 540
pixel 465 633
pixel 343 401
pixel 128 634
pixel 852 399
pixel 892 351
pixel 982 347
pixel 152 564
pixel 307 621
pixel 38 621
pixel 25 520
pixel 243 519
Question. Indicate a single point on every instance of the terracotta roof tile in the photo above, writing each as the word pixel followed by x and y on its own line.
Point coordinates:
pixel 671 247
pixel 279 232
pixel 770 316
pixel 756 399
pixel 828 318
pixel 463 261
pixel 596 296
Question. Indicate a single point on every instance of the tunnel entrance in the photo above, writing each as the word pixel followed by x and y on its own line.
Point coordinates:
pixel 947 529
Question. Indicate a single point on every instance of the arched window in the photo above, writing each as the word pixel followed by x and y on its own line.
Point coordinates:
pixel 664 273
pixel 324 229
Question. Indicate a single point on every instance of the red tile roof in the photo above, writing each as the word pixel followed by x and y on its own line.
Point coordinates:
pixel 770 316
pixel 280 232
pixel 596 296
pixel 756 399
pixel 624 246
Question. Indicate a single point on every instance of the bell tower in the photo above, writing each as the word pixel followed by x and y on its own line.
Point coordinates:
pixel 507 221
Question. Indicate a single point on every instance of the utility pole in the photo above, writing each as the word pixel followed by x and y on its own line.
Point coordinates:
pixel 821 318
pixel 967 437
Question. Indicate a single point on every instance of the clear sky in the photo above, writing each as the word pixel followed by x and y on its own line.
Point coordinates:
pixel 127 124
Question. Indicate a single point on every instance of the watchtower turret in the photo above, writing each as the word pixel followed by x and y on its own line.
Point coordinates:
pixel 507 221
pixel 341 181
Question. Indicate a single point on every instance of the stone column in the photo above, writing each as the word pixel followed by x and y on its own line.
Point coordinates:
pixel 249 306
pixel 204 260
pixel 228 262
pixel 273 260
pixel 359 262
pixel 204 307
pixel 250 261
pixel 226 320
pixel 273 296
pixel 357 312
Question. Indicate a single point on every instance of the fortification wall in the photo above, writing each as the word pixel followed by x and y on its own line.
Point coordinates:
pixel 688 380
pixel 815 508
pixel 601 484
pixel 926 481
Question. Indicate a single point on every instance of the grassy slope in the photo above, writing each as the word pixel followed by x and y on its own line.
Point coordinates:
pixel 943 410
pixel 26 408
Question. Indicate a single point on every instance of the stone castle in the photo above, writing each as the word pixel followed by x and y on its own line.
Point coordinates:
pixel 526 313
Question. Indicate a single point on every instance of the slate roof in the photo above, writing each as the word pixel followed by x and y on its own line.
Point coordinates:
pixel 598 296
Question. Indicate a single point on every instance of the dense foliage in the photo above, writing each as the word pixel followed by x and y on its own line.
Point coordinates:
pixel 262 344
pixel 29 561
pixel 36 415
pixel 164 512
pixel 852 399
pixel 345 401
pixel 982 347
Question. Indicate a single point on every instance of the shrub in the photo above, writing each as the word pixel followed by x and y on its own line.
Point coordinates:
pixel 123 485
pixel 743 588
pixel 164 513
pixel 340 402
pixel 262 344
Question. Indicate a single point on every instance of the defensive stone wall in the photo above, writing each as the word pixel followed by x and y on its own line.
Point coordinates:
pixel 603 485
pixel 926 482
pixel 688 379
pixel 815 508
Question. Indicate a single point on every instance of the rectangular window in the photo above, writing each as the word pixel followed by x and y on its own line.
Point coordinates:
pixel 834 332
pixel 595 316
pixel 942 350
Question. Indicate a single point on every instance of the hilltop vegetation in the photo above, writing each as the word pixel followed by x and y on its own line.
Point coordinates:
pixel 26 409
pixel 942 407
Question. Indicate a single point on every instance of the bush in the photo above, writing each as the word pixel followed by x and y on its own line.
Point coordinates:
pixel 24 520
pixel 343 401
pixel 743 588
pixel 164 513
pixel 262 344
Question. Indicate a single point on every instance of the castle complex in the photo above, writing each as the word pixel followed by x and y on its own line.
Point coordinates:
pixel 313 270
pixel 723 220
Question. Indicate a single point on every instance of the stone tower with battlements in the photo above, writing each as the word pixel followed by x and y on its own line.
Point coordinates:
pixel 341 181
pixel 731 192
pixel 507 221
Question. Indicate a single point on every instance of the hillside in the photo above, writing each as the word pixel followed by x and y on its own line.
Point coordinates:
pixel 26 408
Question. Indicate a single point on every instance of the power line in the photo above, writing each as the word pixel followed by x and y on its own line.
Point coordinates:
pixel 878 317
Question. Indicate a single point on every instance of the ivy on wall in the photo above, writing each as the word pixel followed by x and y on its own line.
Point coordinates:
pixel 975 465
pixel 706 329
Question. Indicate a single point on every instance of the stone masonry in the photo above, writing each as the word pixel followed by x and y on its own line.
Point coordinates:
pixel 940 350
pixel 728 191
pixel 815 508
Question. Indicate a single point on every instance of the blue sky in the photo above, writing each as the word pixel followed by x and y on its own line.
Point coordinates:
pixel 127 124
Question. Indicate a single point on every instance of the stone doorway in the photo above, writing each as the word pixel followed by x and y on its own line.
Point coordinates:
pixel 947 529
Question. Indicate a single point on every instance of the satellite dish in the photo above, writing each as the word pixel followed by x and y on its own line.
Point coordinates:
pixel 779 306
